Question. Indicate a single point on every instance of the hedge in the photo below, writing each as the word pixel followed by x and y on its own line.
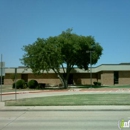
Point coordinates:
pixel 32 84
pixel 20 84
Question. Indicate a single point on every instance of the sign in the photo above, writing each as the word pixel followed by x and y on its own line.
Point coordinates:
pixel 123 124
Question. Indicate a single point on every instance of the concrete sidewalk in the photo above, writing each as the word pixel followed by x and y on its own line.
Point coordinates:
pixel 93 90
pixel 65 108
pixel 71 89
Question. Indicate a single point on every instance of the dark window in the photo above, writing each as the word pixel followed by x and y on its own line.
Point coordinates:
pixel 70 79
pixel 24 77
pixel 2 80
pixel 116 77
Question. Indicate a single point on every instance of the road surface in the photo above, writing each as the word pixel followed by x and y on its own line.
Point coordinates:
pixel 61 120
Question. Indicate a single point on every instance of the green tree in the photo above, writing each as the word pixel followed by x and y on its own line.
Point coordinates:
pixel 61 53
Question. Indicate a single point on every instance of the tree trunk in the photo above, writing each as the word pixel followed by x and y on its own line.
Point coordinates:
pixel 64 81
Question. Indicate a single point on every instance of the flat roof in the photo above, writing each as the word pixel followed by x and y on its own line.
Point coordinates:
pixel 103 67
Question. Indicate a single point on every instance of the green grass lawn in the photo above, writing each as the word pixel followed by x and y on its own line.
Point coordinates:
pixel 71 100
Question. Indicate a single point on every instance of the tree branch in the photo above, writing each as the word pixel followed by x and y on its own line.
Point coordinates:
pixel 63 68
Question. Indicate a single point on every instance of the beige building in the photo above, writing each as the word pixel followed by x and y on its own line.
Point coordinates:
pixel 107 74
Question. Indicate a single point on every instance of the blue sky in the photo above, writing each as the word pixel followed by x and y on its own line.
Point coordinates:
pixel 23 21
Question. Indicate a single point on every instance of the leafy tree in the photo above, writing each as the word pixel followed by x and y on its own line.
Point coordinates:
pixel 61 53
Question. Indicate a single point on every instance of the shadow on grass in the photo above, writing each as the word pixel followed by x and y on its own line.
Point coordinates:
pixel 93 86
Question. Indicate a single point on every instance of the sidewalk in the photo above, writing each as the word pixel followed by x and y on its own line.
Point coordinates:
pixel 64 108
pixel 102 90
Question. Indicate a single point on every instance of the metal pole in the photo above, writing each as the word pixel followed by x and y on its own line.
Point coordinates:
pixel 1 77
pixel 90 68
pixel 15 84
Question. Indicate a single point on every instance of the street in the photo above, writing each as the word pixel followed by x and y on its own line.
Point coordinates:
pixel 61 120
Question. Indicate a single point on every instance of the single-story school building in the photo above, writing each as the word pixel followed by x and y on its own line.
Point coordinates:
pixel 107 74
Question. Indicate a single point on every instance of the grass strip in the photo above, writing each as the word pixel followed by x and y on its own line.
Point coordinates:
pixel 73 100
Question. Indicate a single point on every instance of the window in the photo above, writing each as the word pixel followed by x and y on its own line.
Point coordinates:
pixel 116 77
pixel 25 77
pixel 2 80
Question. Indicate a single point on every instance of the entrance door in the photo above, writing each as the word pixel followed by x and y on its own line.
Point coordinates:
pixel 116 77
pixel 70 80
pixel 2 80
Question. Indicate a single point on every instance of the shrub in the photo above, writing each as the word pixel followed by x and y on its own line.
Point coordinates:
pixel 97 83
pixel 20 84
pixel 13 85
pixel 32 84
pixel 41 85
pixel 26 85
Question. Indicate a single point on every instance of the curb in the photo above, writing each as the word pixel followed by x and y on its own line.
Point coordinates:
pixel 65 110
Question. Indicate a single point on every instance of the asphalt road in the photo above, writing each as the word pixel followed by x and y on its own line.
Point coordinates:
pixel 61 120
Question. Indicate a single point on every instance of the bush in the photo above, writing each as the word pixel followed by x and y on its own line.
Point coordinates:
pixel 26 85
pixel 97 83
pixel 41 85
pixel 32 84
pixel 13 85
pixel 20 84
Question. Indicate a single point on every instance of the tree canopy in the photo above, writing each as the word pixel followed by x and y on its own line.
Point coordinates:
pixel 61 52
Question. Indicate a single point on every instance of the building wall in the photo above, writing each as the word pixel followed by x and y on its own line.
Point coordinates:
pixel 84 79
pixel 9 78
pixel 107 78
pixel 124 77
pixel 50 79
